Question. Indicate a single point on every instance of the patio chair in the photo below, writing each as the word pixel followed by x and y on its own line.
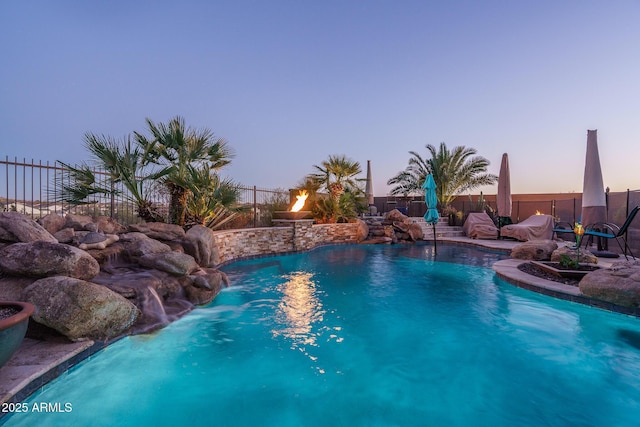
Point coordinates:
pixel 612 231
pixel 563 227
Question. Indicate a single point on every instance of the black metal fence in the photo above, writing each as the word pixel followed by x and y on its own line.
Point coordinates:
pixel 30 187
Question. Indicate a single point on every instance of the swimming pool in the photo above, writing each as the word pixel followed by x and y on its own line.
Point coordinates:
pixel 363 335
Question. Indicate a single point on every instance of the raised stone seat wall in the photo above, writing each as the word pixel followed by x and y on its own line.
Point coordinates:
pixel 287 237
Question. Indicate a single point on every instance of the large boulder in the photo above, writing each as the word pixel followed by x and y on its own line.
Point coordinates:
pixel 66 235
pixel 132 284
pixel 396 216
pixel 52 222
pixel 15 227
pixel 44 259
pixel 80 222
pixel 78 309
pixel 536 250
pixel 378 240
pixel 362 231
pixel 619 284
pixel 11 287
pixel 159 230
pixel 415 231
pixel 205 286
pixel 175 263
pixel 108 225
pixel 409 229
pixel 570 252
pixel 202 246
pixel 139 244
pixel 109 256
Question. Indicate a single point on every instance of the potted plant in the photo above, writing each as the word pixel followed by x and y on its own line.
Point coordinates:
pixel 14 319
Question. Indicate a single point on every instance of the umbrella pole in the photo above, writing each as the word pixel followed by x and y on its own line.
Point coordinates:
pixel 435 245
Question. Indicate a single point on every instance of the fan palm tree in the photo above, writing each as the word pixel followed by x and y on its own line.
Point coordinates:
pixel 124 164
pixel 337 175
pixel 179 148
pixel 454 171
pixel 212 201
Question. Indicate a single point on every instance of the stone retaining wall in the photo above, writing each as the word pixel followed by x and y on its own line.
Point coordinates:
pixel 287 237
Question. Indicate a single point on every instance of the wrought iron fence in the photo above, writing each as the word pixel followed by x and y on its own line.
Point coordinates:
pixel 31 188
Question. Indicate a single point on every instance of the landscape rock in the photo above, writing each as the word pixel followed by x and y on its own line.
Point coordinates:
pixel 159 230
pixel 205 286
pixel 175 263
pixel 408 229
pixel 78 309
pixel 110 255
pixel 619 284
pixel 202 246
pixel 108 225
pixel 66 235
pixel 139 244
pixel 52 222
pixel 44 259
pixel 536 250
pixel 132 284
pixel 415 231
pixel 95 240
pixel 16 227
pixel 396 216
pixel 585 255
pixel 378 240
pixel 11 287
pixel 80 222
pixel 362 232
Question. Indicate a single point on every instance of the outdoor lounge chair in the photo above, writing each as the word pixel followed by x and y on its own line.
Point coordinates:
pixel 480 226
pixel 536 227
pixel 612 231
pixel 563 227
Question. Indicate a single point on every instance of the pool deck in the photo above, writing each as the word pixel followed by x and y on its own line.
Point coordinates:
pixel 38 361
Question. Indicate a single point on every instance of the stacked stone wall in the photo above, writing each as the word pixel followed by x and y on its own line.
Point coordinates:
pixel 296 236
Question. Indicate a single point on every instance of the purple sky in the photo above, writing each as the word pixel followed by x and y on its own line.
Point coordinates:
pixel 290 82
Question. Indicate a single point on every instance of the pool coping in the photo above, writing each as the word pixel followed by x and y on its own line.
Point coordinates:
pixel 37 362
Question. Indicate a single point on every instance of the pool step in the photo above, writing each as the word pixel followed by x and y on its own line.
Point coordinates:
pixel 443 229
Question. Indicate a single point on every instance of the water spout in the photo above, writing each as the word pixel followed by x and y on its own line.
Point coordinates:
pixel 151 305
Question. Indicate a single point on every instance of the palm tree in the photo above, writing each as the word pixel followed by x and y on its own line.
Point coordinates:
pixel 123 164
pixel 454 172
pixel 337 176
pixel 179 148
pixel 212 201
pixel 336 173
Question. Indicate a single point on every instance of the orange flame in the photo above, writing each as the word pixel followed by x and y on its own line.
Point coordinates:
pixel 539 213
pixel 302 197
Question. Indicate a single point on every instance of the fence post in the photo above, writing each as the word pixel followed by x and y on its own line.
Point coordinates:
pixel 113 199
pixel 255 207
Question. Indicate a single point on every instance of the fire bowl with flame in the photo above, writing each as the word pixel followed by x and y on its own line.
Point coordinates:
pixel 296 211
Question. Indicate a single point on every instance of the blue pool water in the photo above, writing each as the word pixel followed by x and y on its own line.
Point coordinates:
pixel 363 335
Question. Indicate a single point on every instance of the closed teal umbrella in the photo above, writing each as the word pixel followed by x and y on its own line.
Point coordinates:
pixel 431 199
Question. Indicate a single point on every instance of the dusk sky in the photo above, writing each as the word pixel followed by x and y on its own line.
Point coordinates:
pixel 289 83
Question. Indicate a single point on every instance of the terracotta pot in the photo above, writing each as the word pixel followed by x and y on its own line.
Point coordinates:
pixel 13 328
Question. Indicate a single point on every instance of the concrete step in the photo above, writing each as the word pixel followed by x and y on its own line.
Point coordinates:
pixel 443 229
